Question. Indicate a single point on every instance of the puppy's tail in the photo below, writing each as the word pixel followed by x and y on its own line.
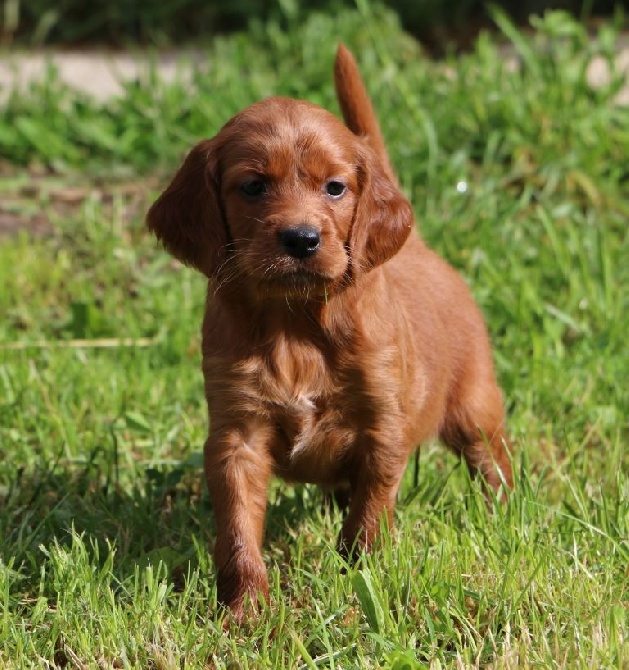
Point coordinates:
pixel 358 112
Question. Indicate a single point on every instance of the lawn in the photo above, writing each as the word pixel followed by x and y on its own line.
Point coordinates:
pixel 517 171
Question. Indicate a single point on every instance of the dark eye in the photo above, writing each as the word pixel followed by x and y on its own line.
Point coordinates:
pixel 335 189
pixel 254 188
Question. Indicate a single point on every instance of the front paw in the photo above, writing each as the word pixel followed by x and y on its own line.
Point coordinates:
pixel 240 582
pixel 353 541
pixel 361 532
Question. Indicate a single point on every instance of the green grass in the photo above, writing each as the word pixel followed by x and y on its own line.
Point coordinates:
pixel 105 524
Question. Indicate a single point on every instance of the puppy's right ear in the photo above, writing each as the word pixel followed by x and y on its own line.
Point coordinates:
pixel 187 217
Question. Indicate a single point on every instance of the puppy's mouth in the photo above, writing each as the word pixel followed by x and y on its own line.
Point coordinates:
pixel 297 282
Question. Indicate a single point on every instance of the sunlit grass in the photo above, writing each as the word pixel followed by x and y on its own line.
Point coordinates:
pixel 105 523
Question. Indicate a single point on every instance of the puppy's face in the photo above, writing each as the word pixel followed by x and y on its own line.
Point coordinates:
pixel 289 184
pixel 285 201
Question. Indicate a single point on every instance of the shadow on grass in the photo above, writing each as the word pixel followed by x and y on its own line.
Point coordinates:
pixel 161 515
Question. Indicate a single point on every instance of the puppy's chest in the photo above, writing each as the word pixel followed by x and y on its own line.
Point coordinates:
pixel 305 396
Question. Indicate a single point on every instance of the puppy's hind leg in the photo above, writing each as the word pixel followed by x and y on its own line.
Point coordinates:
pixel 475 430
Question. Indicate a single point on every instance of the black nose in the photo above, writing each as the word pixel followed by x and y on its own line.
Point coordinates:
pixel 300 241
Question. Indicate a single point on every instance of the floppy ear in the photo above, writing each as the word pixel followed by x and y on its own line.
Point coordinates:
pixel 383 218
pixel 187 216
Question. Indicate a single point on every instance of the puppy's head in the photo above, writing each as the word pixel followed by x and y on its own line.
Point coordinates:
pixel 285 200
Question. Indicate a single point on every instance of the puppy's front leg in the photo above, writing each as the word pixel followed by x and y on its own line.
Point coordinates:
pixel 237 469
pixel 373 492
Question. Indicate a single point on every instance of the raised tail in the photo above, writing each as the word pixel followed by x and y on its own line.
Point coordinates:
pixel 358 112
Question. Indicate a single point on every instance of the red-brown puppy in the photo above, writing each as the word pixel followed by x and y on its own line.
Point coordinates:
pixel 334 340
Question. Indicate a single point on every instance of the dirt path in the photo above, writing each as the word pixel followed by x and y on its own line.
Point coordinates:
pixel 98 73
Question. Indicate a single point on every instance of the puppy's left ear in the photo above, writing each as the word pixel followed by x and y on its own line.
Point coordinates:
pixel 383 218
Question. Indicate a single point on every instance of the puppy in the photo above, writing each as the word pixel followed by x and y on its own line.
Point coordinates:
pixel 334 340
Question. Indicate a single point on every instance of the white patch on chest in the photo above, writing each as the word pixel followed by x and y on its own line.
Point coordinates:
pixel 303 411
pixel 290 384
